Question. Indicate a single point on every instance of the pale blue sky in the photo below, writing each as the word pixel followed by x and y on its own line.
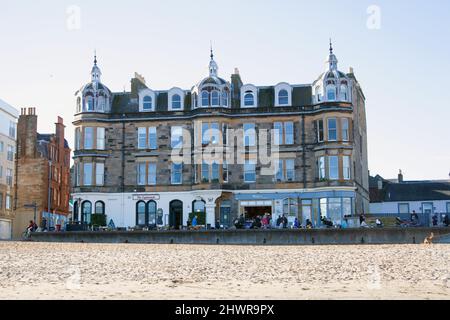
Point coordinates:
pixel 403 67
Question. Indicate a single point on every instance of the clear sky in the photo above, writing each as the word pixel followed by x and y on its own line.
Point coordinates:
pixel 401 58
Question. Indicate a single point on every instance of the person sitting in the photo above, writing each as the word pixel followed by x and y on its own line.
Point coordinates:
pixel 279 222
pixel 296 224
pixel 364 225
pixel 309 224
pixel 256 223
pixel 344 224
pixel 326 222
pixel 265 221
pixel 284 222
pixel 379 223
pixel 446 220
pixel 435 220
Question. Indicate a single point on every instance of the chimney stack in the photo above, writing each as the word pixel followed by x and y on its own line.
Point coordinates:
pixel 400 177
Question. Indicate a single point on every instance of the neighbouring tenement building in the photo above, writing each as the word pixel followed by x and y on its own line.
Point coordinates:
pixel 43 174
pixel 125 141
pixel 8 123
pixel 401 198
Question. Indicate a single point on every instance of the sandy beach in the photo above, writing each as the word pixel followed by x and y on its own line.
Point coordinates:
pixel 127 271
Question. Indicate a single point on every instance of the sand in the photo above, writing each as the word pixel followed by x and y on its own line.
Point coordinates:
pixel 128 271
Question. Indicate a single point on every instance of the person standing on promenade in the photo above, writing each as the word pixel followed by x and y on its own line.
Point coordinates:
pixel 194 222
pixel 362 218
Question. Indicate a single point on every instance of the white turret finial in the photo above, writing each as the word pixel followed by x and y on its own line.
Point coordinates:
pixel 213 67
pixel 95 73
pixel 331 60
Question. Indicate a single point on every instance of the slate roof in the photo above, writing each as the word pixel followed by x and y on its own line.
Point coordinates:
pixel 409 191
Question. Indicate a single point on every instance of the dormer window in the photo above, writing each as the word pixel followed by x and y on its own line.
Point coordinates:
pixel 225 99
pixel 283 97
pixel 331 93
pixel 176 102
pixel 205 98
pixel 318 93
pixel 215 98
pixel 344 92
pixel 89 103
pixel 249 99
pixel 148 103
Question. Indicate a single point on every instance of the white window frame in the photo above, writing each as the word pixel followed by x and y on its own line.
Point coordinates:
pixel 346 168
pixel 142 138
pixel 88 141
pixel 249 88
pixel 87 179
pixel 335 129
pixel 333 175
pixel 99 174
pixel 172 93
pixel 173 130
pixel 152 173
pixel 147 93
pixel 173 172
pixel 345 131
pixel 321 166
pixel 101 138
pixel 283 86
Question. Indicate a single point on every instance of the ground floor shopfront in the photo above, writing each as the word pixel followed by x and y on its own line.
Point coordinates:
pixel 212 207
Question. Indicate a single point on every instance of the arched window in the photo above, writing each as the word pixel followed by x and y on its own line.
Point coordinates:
pixel 331 93
pixel 215 98
pixel 151 206
pixel 101 103
pixel 89 103
pixel 99 207
pixel 176 101
pixel 344 92
pixel 140 213
pixel 86 209
pixel 199 206
pixel 249 99
pixel 148 103
pixel 283 97
pixel 205 99
pixel 225 99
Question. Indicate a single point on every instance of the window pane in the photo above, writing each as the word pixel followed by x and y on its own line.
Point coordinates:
pixel 87 177
pixel 283 97
pixel 320 130
pixel 344 94
pixel 177 137
pixel 225 99
pixel 205 133
pixel 152 174
pixel 289 129
pixel 345 136
pixel 333 167
pixel 148 103
pixel 205 98
pixel 215 172
pixel 142 138
pixel 347 206
pixel 278 133
pixel 332 130
pixel 249 100
pixel 99 208
pixel 177 170
pixel 215 133
pixel 176 102
pixel 249 171
pixel 140 214
pixel 88 138
pixel 331 93
pixel 215 98
pixel 335 210
pixel 99 174
pixel 141 174
pixel 290 170
pixel 77 139
pixel 321 166
pixel 100 138
pixel 225 171
pixel 323 208
pixel 249 135
pixel 152 138
pixel 280 171
pixel 403 208
pixel 346 167
pixel 205 172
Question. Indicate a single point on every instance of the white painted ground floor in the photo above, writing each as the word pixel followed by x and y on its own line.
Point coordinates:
pixel 5 229
pixel 174 209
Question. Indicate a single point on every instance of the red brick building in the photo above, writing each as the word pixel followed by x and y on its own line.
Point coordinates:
pixel 43 174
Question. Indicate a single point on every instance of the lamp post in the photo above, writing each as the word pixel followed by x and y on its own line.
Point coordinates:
pixel 49 198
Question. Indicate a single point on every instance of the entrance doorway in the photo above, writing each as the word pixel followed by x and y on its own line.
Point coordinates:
pixel 176 214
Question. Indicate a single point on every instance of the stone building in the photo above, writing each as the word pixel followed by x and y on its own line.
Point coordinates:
pixel 8 124
pixel 43 174
pixel 125 144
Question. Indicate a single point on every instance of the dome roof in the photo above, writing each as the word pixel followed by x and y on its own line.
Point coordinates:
pixel 212 80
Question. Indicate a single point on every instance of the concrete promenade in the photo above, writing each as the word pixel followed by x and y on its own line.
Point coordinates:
pixel 252 237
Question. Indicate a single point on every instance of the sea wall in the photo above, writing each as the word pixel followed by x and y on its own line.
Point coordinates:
pixel 252 237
